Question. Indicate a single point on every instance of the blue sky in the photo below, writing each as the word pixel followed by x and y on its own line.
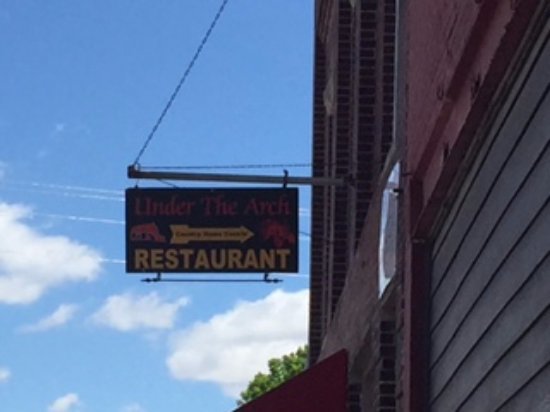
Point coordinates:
pixel 82 84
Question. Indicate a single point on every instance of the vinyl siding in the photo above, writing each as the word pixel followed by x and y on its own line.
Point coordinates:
pixel 490 282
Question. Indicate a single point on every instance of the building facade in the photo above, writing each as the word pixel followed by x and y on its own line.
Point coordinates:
pixel 449 313
pixel 430 285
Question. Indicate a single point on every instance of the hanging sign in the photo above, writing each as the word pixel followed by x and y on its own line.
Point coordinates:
pixel 211 230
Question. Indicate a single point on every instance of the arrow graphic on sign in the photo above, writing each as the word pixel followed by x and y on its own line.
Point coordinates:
pixel 183 234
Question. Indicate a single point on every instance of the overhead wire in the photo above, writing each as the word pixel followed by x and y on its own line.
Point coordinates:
pixel 181 82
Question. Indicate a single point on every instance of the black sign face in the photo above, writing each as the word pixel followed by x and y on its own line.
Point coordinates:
pixel 211 230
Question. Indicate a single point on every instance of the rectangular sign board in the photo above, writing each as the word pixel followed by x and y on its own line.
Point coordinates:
pixel 211 230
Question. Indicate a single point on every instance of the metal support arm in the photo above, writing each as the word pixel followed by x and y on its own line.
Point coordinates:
pixel 135 173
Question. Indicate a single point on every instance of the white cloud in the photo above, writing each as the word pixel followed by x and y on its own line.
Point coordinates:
pixel 65 403
pixel 134 407
pixel 59 128
pixel 62 315
pixel 128 312
pixel 5 375
pixel 32 262
pixel 230 348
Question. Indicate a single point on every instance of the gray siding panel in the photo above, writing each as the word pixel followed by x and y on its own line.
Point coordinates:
pixel 490 292
pixel 523 311
pixel 518 366
pixel 478 268
pixel 461 219
pixel 533 397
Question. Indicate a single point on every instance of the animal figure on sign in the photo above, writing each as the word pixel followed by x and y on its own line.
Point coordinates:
pixel 277 232
pixel 146 232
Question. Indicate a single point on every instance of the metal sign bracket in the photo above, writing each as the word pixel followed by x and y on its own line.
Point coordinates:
pixel 135 173
pixel 159 278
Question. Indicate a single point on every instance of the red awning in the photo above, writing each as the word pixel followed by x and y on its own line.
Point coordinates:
pixel 321 388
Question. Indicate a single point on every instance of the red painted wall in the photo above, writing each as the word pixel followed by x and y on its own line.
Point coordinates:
pixel 458 52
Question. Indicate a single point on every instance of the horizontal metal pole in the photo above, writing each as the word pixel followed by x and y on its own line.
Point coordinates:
pixel 135 173
pixel 196 280
pixel 265 279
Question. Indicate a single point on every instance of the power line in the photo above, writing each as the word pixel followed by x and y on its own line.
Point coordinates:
pixel 181 82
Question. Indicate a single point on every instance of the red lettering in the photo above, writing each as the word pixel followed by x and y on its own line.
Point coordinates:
pixel 147 206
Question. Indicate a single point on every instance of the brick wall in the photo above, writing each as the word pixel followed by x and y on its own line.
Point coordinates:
pixel 352 134
pixel 319 194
